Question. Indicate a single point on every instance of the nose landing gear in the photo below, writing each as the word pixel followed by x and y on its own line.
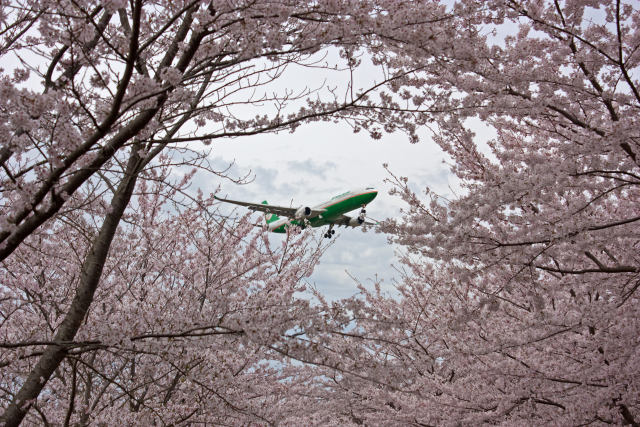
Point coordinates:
pixel 363 215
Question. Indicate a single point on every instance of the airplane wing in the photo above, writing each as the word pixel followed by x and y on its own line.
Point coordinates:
pixel 274 209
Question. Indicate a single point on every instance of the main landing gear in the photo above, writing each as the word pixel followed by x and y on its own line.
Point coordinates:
pixel 330 232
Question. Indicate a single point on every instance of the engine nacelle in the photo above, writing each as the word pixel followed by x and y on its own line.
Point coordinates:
pixel 303 212
pixel 356 222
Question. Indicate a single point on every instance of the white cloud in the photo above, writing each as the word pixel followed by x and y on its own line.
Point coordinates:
pixel 310 167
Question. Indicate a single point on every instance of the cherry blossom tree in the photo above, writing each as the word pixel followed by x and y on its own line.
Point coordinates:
pixel 125 299
pixel 519 300
pixel 94 94
pixel 178 330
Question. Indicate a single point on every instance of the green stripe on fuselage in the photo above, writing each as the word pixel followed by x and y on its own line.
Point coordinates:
pixel 333 210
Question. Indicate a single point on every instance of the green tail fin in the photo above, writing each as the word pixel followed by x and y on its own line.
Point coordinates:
pixel 269 217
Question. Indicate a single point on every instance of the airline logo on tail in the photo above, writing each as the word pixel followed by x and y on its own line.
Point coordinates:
pixel 269 217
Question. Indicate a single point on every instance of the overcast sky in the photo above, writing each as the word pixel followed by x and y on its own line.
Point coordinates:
pixel 322 160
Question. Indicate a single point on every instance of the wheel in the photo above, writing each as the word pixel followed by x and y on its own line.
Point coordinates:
pixel 333 232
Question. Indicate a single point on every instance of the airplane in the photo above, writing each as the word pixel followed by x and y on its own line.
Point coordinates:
pixel 329 213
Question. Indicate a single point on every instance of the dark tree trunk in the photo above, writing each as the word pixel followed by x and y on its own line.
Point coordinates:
pixel 90 276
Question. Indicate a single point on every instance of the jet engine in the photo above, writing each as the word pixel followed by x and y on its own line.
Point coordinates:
pixel 303 212
pixel 356 221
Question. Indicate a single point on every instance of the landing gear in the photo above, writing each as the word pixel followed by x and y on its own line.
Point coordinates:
pixel 363 215
pixel 330 232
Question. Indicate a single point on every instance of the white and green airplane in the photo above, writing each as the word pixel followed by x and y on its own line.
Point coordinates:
pixel 329 213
